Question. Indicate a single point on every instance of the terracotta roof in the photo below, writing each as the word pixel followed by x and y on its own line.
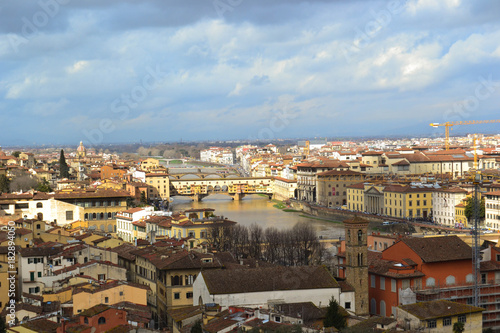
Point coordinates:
pixel 124 251
pixel 267 279
pixel 437 249
pixel 438 309
pixel 185 312
pixel 42 326
pixel 359 186
pixel 95 310
pixel 340 173
pixel 99 193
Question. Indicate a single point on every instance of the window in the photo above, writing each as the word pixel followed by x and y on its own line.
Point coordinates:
pixel 106 300
pixel 121 293
pixel 462 318
pixel 450 280
pixel 101 277
pixel 382 283
pixel 447 321
pixel 430 282
pixel 189 295
pixel 39 205
pixel 101 320
pixel 39 274
pixel 373 285
pixel 393 285
pixel 347 305
pixel 69 215
pixel 177 295
pixel 432 323
pixel 483 277
pixel 406 284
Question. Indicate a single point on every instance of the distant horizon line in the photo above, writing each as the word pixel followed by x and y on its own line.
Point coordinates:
pixel 243 141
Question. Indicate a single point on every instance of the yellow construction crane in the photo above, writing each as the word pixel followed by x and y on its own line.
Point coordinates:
pixel 449 124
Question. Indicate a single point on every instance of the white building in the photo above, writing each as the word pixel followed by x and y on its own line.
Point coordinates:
pixel 492 210
pixel 444 202
pixel 125 220
pixel 258 287
pixel 217 155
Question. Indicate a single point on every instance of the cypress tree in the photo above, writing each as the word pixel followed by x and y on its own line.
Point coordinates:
pixel 63 166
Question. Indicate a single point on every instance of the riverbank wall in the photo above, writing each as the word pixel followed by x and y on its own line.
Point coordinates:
pixel 332 213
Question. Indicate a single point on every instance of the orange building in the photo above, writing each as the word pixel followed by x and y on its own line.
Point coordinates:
pixel 113 171
pixel 426 269
pixel 98 319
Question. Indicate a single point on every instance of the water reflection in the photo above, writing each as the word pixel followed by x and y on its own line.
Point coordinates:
pixel 260 210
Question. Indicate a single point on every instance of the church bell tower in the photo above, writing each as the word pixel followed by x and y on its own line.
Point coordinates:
pixel 356 271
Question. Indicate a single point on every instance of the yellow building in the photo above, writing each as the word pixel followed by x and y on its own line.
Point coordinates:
pixel 109 294
pixel 356 197
pixel 408 201
pixel 150 164
pixel 439 317
pixel 284 189
pixel 460 215
pixel 4 283
pixel 170 273
pixel 100 206
pixel 159 185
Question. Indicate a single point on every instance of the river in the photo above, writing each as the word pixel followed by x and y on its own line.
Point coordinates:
pixel 260 210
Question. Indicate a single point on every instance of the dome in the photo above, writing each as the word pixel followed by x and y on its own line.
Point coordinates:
pixel 81 147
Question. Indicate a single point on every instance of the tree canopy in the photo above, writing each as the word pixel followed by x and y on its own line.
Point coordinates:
pixel 469 208
pixel 63 166
pixel 334 316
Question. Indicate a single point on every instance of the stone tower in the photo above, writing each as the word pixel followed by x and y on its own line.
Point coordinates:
pixel 356 270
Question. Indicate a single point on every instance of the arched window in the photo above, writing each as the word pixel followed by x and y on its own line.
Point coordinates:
pixel 94 216
pixel 430 282
pixel 39 205
pixel 86 216
pixel 373 306
pixel 101 216
pixel 469 278
pixel 109 215
pixel 382 308
pixel 360 236
pixel 450 280
pixel 101 320
pixel 176 280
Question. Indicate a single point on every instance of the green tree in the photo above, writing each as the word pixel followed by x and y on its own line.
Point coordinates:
pixel 43 186
pixel 3 325
pixel 469 209
pixel 334 316
pixel 4 184
pixel 63 166
pixel 130 202
pixel 197 327
pixel 143 198
pixel 458 327
pixel 16 154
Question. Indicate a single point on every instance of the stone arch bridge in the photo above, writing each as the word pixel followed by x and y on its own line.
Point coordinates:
pixel 237 187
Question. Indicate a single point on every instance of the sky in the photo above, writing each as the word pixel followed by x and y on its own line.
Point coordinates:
pixel 165 70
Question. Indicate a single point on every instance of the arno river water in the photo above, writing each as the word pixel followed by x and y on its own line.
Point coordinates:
pixel 259 210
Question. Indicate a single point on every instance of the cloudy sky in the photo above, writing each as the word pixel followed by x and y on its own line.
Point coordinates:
pixel 162 70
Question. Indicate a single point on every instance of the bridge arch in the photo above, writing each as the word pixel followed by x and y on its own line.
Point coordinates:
pixel 213 176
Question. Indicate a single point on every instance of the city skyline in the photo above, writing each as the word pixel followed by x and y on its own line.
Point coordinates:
pixel 123 71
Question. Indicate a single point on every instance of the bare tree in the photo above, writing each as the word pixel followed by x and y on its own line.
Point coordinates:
pixel 256 240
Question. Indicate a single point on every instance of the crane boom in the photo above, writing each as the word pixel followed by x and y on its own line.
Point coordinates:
pixel 449 124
